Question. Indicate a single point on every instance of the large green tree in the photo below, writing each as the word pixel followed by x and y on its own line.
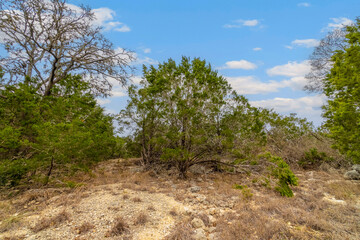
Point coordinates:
pixel 342 87
pixel 64 131
pixel 187 114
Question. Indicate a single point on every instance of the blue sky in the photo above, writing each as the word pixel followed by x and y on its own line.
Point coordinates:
pixel 261 46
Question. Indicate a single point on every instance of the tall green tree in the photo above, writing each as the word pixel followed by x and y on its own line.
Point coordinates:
pixel 342 87
pixel 187 114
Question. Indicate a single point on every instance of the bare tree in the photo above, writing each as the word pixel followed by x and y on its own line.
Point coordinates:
pixel 320 59
pixel 49 39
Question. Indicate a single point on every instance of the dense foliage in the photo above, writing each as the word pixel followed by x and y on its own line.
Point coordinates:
pixel 342 87
pixel 186 114
pixel 66 130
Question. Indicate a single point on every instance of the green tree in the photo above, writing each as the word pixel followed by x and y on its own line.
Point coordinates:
pixel 64 131
pixel 186 114
pixel 342 87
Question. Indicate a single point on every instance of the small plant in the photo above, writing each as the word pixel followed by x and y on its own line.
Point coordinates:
pixel 53 221
pixel 281 170
pixel 314 158
pixel 141 219
pixel 118 228
pixel 84 228
pixel 173 212
pixel 151 208
pixel 245 190
pixel 136 199
pixel 72 184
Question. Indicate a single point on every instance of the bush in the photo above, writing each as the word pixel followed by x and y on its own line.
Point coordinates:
pixel 64 131
pixel 281 171
pixel 314 158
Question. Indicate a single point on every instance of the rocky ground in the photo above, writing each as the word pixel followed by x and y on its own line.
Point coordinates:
pixel 120 201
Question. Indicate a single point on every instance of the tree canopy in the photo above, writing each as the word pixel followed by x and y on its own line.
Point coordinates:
pixel 342 87
pixel 48 40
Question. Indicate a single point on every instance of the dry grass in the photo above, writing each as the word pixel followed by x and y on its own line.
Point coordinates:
pixel 126 196
pixel 137 199
pixel 84 228
pixel 151 208
pixel 45 223
pixel 120 227
pixel 344 190
pixel 182 231
pixel 10 222
pixel 141 219
pixel 173 212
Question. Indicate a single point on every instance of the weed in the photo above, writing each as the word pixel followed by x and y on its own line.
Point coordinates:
pixel 136 199
pixel 182 231
pixel 84 228
pixel 173 212
pixel 141 219
pixel 119 228
pixel 151 208
pixel 53 221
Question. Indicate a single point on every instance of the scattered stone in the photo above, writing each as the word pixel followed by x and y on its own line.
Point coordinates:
pixel 197 223
pixel 212 229
pixel 213 211
pixel 200 234
pixel 212 220
pixel 352 175
pixel 356 167
pixel 212 236
pixel 195 189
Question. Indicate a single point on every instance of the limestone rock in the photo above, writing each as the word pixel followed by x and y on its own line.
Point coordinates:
pixel 356 167
pixel 200 234
pixel 197 223
pixel 352 175
pixel 195 189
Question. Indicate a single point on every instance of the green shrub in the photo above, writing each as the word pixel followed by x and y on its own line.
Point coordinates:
pixel 314 158
pixel 282 172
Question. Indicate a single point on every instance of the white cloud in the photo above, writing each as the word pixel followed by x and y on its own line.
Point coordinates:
pixel 339 23
pixel 248 85
pixel 309 106
pixel 291 69
pixel 251 85
pixel 304 4
pixel 102 101
pixel 136 79
pixel 147 50
pixel 241 64
pixel 257 49
pixel 240 23
pixel 123 28
pixel 104 17
pixel 118 92
pixel 307 43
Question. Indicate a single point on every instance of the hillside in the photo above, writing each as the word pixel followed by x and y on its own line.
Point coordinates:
pixel 121 201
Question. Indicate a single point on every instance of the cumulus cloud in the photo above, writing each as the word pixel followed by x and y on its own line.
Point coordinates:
pixel 291 69
pixel 339 23
pixel 136 79
pixel 248 85
pixel 241 23
pixel 307 43
pixel 147 50
pixel 104 17
pixel 241 64
pixel 102 101
pixel 251 85
pixel 309 106
pixel 257 49
pixel 304 4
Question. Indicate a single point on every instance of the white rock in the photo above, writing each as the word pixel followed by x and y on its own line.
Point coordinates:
pixel 197 223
